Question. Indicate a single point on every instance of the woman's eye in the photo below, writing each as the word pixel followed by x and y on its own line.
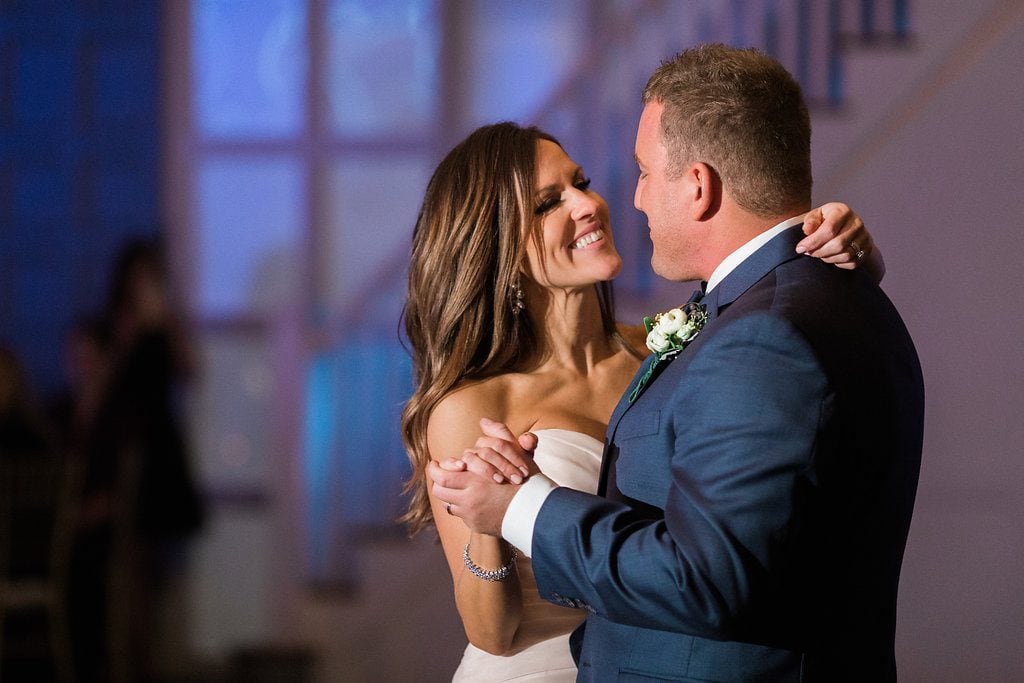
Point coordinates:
pixel 581 184
pixel 546 205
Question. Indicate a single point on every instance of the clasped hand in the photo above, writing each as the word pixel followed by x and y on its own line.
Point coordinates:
pixel 475 486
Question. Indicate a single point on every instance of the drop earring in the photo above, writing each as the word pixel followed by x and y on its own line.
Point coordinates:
pixel 517 298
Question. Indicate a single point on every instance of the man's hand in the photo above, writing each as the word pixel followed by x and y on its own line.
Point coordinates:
pixel 480 502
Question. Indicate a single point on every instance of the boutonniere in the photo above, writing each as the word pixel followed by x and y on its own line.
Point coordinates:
pixel 669 333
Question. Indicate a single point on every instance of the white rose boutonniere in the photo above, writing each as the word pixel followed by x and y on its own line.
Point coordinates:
pixel 668 334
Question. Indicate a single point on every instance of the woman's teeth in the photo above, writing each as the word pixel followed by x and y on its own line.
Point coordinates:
pixel 589 238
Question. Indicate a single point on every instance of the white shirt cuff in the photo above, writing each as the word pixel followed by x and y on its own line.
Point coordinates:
pixel 522 511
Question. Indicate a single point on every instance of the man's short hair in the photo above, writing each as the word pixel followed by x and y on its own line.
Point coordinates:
pixel 741 113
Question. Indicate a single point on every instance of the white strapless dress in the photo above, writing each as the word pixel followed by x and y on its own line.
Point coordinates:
pixel 573 460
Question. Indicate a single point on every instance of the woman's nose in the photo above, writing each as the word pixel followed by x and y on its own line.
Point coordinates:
pixel 584 205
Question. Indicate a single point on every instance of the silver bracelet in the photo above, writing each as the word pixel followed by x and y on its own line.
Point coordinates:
pixel 499 574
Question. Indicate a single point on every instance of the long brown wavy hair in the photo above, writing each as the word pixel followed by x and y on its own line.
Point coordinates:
pixel 468 248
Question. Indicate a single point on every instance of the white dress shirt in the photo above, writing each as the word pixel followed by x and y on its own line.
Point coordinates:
pixel 521 515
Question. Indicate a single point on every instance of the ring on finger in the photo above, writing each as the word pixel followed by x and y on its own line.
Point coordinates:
pixel 858 253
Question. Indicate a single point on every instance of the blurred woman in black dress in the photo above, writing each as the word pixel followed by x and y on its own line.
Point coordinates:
pixel 140 502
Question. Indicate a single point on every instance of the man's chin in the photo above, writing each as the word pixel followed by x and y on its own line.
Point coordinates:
pixel 671 271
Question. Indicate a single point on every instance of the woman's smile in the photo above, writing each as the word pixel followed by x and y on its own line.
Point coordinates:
pixel 588 239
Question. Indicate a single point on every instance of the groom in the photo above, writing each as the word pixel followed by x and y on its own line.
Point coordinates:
pixel 757 493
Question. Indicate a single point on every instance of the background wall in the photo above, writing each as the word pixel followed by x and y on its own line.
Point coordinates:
pixel 79 161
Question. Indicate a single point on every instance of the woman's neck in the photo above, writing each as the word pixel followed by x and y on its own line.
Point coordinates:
pixel 570 330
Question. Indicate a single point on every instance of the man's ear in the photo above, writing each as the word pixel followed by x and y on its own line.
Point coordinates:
pixel 702 186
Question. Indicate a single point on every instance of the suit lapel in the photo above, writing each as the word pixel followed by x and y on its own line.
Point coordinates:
pixel 624 403
pixel 778 250
pixel 608 456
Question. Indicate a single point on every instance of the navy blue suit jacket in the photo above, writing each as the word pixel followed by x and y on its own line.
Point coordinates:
pixel 756 497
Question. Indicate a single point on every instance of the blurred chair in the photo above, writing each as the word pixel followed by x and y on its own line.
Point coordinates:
pixel 38 500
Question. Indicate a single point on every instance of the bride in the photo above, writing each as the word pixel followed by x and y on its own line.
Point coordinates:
pixel 509 314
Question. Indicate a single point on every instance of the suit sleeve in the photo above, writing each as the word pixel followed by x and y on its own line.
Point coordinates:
pixel 744 417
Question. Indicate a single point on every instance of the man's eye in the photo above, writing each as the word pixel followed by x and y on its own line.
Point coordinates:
pixel 583 184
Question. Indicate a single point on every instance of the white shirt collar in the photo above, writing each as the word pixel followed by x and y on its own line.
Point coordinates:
pixel 740 255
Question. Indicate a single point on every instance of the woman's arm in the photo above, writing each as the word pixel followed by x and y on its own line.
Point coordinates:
pixel 490 610
pixel 837 235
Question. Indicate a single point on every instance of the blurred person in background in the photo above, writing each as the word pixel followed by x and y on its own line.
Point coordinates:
pixel 23 429
pixel 86 365
pixel 30 481
pixel 140 500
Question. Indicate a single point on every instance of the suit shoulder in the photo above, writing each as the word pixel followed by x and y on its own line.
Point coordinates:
pixel 842 314
pixel 805 286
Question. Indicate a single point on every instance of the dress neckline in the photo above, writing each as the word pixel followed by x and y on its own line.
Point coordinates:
pixel 599 442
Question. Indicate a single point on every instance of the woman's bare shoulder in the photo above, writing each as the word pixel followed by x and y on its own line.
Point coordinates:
pixel 460 411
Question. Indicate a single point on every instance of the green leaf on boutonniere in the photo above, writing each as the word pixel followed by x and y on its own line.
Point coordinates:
pixel 669 333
